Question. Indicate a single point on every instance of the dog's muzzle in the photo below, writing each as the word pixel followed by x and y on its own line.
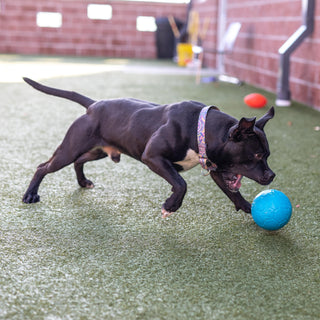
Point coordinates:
pixel 267 177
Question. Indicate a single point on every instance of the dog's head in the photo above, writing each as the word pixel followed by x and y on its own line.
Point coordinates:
pixel 245 153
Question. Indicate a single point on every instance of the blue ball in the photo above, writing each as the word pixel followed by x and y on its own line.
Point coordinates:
pixel 271 209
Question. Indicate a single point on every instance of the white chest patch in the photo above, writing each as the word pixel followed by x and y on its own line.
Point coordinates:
pixel 190 160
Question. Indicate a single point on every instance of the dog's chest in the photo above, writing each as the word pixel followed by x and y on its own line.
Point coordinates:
pixel 190 160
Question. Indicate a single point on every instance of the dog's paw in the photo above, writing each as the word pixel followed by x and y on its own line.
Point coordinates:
pixel 86 184
pixel 31 198
pixel 244 206
pixel 165 213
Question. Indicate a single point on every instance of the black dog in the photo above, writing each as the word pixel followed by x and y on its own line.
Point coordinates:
pixel 167 138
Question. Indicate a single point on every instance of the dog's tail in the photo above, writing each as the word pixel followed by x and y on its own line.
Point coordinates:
pixel 70 95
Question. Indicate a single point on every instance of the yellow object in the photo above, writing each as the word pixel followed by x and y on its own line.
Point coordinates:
pixel 185 53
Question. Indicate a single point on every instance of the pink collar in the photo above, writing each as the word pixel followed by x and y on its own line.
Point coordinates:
pixel 206 164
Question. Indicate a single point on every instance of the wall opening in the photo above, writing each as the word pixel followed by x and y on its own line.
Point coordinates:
pixel 99 11
pixel 146 24
pixel 49 19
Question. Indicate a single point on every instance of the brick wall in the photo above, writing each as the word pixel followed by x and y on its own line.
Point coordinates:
pixel 266 25
pixel 79 35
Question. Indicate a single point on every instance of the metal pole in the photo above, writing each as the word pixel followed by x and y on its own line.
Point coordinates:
pixel 285 51
pixel 222 21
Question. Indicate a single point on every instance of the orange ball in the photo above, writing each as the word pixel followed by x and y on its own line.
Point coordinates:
pixel 255 100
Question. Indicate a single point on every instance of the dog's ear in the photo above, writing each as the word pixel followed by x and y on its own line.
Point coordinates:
pixel 261 122
pixel 243 128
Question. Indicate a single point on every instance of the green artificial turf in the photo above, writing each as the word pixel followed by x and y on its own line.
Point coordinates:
pixel 106 253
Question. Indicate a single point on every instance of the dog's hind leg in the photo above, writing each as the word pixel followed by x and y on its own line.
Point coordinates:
pixel 78 141
pixel 95 154
pixel 57 162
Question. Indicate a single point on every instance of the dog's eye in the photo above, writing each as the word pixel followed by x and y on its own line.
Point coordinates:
pixel 258 156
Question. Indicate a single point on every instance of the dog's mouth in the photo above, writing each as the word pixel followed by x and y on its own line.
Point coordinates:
pixel 234 182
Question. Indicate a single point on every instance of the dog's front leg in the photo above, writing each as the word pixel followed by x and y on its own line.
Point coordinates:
pixel 235 197
pixel 165 169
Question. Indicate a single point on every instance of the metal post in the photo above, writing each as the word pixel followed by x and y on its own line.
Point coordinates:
pixel 285 51
pixel 222 21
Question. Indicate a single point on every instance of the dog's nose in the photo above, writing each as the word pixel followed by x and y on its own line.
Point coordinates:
pixel 269 176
